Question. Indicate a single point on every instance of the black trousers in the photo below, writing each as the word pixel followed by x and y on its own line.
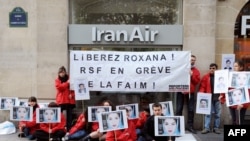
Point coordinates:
pixel 69 111
pixel 190 106
pixel 45 136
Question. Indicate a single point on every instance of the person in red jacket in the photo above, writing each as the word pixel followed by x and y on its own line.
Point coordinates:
pixel 128 134
pixel 95 133
pixel 194 81
pixel 143 116
pixel 77 131
pixel 207 86
pixel 27 128
pixel 237 119
pixel 64 96
pixel 51 131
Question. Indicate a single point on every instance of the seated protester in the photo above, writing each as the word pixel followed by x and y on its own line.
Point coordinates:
pixel 51 131
pixel 128 134
pixel 27 128
pixel 143 116
pixel 77 131
pixel 95 134
pixel 148 131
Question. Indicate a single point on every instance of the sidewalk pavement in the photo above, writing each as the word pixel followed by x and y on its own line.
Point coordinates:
pixel 188 137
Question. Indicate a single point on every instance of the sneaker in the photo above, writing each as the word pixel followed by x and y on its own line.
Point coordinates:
pixel 216 130
pixel 204 131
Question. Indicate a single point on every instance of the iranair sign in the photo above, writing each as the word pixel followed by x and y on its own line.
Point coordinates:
pixel 126 34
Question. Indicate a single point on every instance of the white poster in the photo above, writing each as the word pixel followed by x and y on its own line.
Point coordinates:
pixel 203 103
pixel 237 96
pixel 167 108
pixel 81 89
pixel 8 102
pixel 21 113
pixel 169 126
pixel 133 111
pixel 93 112
pixel 132 71
pixel 221 81
pixel 114 120
pixel 227 61
pixel 48 115
pixel 239 79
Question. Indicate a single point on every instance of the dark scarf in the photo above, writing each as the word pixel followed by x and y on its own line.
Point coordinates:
pixel 64 79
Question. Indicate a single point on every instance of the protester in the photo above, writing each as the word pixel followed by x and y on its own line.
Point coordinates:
pixel 194 81
pixel 207 86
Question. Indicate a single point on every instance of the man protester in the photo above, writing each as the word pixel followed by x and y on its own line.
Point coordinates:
pixel 194 81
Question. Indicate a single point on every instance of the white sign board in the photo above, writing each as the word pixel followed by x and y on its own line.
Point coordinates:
pixel 159 71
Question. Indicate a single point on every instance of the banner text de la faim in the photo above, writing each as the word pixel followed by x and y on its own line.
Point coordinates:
pixel 157 71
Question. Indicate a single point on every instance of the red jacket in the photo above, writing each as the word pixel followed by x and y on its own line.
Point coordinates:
pixel 205 86
pixel 32 125
pixel 80 123
pixel 142 119
pixel 72 97
pixel 62 92
pixel 194 80
pixel 94 126
pixel 54 126
pixel 128 134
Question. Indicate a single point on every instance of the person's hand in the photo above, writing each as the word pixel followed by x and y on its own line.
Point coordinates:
pixel 219 97
pixel 70 96
pixel 50 130
pixel 83 119
pixel 191 72
pixel 239 106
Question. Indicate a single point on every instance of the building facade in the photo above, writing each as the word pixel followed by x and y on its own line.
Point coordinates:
pixel 30 56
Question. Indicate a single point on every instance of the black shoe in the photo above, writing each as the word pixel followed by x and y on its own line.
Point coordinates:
pixel 21 135
pixel 192 130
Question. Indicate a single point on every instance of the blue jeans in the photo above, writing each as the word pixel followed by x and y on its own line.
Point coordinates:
pixel 78 134
pixel 216 110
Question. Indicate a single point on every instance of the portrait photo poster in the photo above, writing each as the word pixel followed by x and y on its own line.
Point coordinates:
pixel 48 115
pixel 227 61
pixel 132 109
pixel 221 81
pixel 113 120
pixel 8 102
pixel 169 125
pixel 237 96
pixel 43 105
pixel 167 108
pixel 21 113
pixel 93 111
pixel 23 103
pixel 203 103
pixel 239 79
pixel 81 89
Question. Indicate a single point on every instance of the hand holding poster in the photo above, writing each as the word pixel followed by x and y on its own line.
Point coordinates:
pixel 132 71
pixel 113 120
pixel 81 89
pixel 237 96
pixel 93 112
pixel 8 102
pixel 169 125
pixel 133 111
pixel 203 105
pixel 21 113
pixel 48 115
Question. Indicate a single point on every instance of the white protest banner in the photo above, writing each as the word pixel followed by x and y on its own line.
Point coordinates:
pixel 158 71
